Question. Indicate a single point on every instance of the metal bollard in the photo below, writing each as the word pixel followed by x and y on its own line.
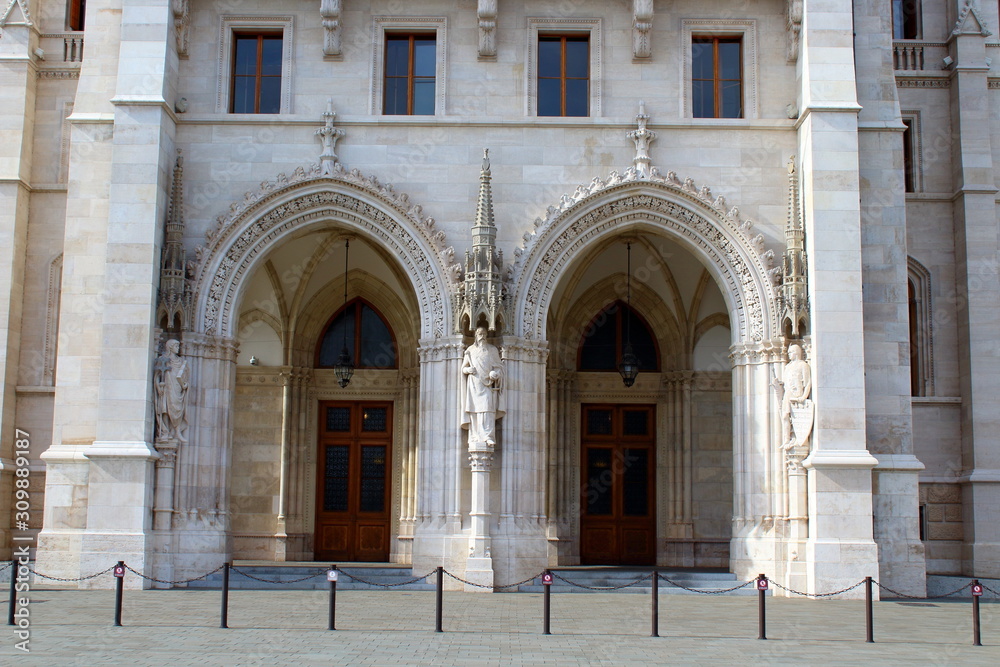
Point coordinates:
pixel 13 590
pixel 224 623
pixel 119 588
pixel 440 599
pixel 869 618
pixel 761 593
pixel 977 591
pixel 656 604
pixel 332 577
pixel 547 604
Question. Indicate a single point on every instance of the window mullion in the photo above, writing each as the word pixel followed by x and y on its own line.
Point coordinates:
pixel 258 72
pixel 410 67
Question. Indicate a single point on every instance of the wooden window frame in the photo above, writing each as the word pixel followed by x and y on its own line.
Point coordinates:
pixel 76 11
pixel 410 76
pixel 356 303
pixel 563 38
pixel 258 76
pixel 716 79
pixel 617 310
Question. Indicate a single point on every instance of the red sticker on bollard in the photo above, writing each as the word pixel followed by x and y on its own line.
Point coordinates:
pixel 977 590
pixel 331 575
pixel 762 584
pixel 546 579
pixel 119 571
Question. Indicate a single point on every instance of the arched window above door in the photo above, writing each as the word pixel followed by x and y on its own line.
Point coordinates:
pixel 370 341
pixel 604 339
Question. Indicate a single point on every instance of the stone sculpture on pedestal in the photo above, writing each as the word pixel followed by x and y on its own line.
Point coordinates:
pixel 483 395
pixel 794 389
pixel 170 381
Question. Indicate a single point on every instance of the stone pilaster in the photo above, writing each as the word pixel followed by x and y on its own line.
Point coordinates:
pixel 888 419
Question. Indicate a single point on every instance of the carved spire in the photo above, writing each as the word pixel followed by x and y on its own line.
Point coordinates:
pixel 642 24
pixel 175 293
pixel 482 296
pixel 329 11
pixel 328 136
pixel 642 138
pixel 486 12
pixel 793 299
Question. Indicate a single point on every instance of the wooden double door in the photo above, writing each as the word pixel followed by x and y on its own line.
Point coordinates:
pixel 353 485
pixel 618 492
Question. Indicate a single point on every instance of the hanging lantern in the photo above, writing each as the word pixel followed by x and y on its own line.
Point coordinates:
pixel 345 367
pixel 629 366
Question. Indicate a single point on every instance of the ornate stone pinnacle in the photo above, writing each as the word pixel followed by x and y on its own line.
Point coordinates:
pixel 642 138
pixel 328 136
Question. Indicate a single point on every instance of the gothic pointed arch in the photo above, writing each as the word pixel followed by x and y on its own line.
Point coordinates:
pixel 720 237
pixel 289 206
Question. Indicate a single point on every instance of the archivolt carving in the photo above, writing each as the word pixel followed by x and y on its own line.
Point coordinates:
pixel 722 236
pixel 305 197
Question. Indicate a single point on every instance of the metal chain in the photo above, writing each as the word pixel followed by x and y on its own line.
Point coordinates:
pixel 401 583
pixel 707 592
pixel 272 581
pixel 985 587
pixel 5 566
pixel 602 588
pixel 494 586
pixel 816 595
pixel 918 597
pixel 93 576
pixel 177 581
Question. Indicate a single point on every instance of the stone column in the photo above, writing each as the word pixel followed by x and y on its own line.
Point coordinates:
pixel 840 550
pixel 17 113
pixel 888 423
pixel 479 566
pixel 977 244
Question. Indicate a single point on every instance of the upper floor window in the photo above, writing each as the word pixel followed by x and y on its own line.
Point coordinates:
pixel 563 75
pixel 905 19
pixel 410 65
pixel 717 77
pixel 368 338
pixel 256 86
pixel 604 340
pixel 75 14
pixel 909 168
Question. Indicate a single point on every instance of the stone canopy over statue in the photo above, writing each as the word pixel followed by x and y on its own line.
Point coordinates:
pixel 483 396
pixel 794 390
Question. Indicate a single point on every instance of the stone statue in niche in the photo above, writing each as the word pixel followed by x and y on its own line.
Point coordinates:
pixel 170 382
pixel 483 396
pixel 794 389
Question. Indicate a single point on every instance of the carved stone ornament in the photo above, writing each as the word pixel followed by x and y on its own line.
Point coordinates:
pixel 642 138
pixel 629 198
pixel 364 204
pixel 328 136
pixel 171 385
pixel 182 22
pixel 11 17
pixel 483 396
pixel 794 390
pixel 329 11
pixel 793 28
pixel 486 12
pixel 970 21
pixel 642 25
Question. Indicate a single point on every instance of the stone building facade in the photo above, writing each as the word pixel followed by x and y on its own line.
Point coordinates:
pixel 707 183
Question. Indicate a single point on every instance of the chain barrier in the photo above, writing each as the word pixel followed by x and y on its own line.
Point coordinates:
pixel 603 588
pixel 401 583
pixel 918 597
pixel 815 595
pixel 495 587
pixel 172 581
pixel 707 592
pixel 273 581
pixel 93 576
pixel 985 587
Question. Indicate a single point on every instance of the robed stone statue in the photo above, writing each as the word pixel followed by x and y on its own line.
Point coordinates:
pixel 794 389
pixel 483 396
pixel 170 381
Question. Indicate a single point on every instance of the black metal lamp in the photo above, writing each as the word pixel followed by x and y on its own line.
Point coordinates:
pixel 345 367
pixel 629 366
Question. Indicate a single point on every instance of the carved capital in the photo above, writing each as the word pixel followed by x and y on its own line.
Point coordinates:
pixel 486 11
pixel 642 24
pixel 481 460
pixel 330 10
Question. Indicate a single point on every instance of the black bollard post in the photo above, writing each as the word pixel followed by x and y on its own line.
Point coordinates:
pixel 332 576
pixel 13 591
pixel 440 599
pixel 547 602
pixel 761 592
pixel 656 604
pixel 977 590
pixel 869 618
pixel 224 623
pixel 119 588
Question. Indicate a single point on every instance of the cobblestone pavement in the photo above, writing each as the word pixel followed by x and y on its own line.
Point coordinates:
pixel 180 627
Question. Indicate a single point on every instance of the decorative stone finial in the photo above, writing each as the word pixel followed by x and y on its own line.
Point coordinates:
pixel 642 138
pixel 793 299
pixel 328 135
pixel 174 306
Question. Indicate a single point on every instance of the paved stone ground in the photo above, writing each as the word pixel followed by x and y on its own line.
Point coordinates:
pixel 180 627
